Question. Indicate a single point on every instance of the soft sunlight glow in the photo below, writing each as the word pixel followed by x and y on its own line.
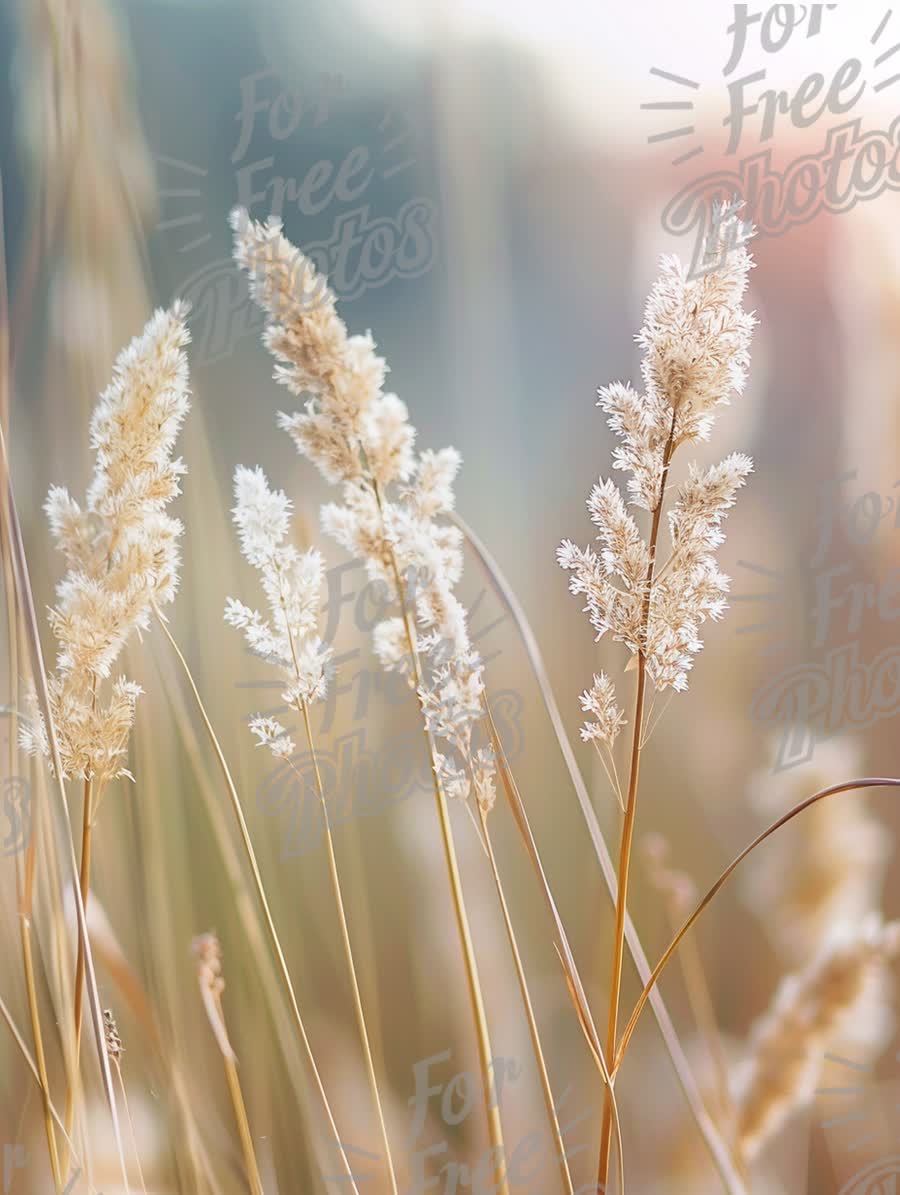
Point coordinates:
pixel 599 57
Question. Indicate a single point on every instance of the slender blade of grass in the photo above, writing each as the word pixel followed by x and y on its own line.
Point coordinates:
pixel 30 1063
pixel 650 983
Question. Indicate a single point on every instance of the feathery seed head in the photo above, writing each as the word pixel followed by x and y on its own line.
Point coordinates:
pixel 292 582
pixel 600 700
pixel 811 1011
pixel 696 335
pixel 121 548
pixel 360 437
pixel 696 339
pixel 273 735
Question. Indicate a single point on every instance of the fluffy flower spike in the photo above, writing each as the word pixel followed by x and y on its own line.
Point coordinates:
pixel 360 437
pixel 600 700
pixel 696 339
pixel 842 995
pixel 121 548
pixel 292 582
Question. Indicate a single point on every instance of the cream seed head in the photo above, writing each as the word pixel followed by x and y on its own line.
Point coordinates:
pixel 207 953
pixel 812 1010
pixel 392 499
pixel 696 339
pixel 349 426
pixel 273 735
pixel 292 582
pixel 696 334
pixel 608 719
pixel 121 548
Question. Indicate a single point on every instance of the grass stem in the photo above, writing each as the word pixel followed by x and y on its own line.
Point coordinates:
pixel 529 1011
pixel 261 894
pixel 84 879
pixel 348 952
pixel 482 1034
pixel 627 841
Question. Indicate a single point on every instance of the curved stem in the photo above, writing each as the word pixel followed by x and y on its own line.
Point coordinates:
pixel 246 910
pixel 834 790
pixel 700 998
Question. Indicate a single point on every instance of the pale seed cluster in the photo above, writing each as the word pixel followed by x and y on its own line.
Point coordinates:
pixel 114 1046
pixel 696 339
pixel 292 582
pixel 121 549
pixel 359 436
pixel 207 953
pixel 842 991
pixel 600 700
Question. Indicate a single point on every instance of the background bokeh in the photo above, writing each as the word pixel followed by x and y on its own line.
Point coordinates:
pixel 509 142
